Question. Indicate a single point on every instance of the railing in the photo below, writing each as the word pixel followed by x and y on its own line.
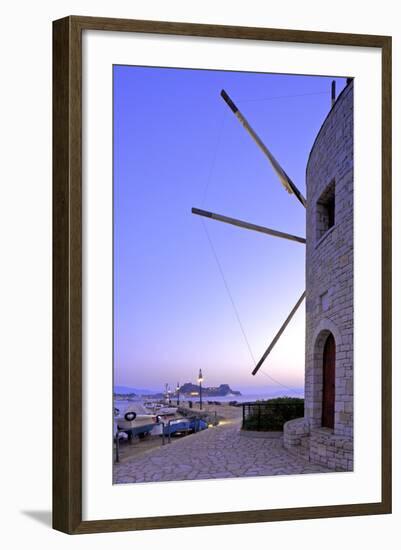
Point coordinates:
pixel 270 416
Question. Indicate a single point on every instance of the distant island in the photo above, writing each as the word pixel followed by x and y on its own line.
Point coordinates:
pixel 216 391
pixel 188 389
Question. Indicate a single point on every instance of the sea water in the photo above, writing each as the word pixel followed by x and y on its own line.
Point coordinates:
pixel 248 398
pixel 137 402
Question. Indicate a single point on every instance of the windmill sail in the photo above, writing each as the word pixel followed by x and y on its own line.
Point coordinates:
pixel 286 181
pixel 279 333
pixel 247 225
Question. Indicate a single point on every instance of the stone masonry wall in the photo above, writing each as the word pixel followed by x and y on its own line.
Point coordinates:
pixel 329 265
pixel 329 286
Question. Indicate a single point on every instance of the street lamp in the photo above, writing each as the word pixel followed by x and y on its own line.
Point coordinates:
pixel 200 380
pixel 178 394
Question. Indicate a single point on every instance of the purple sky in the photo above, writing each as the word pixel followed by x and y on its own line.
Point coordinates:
pixel 177 145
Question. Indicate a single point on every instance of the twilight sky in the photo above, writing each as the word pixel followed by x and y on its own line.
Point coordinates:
pixel 177 145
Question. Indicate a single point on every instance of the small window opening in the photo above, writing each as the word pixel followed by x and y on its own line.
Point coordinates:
pixel 324 301
pixel 325 211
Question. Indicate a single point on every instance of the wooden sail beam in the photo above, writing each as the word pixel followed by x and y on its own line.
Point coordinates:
pixel 286 181
pixel 280 332
pixel 247 225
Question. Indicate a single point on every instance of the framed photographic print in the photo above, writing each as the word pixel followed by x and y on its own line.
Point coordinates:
pixel 222 274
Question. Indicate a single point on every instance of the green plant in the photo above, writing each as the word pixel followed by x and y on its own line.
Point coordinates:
pixel 271 415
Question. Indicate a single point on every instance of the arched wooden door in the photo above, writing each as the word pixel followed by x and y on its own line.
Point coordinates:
pixel 329 374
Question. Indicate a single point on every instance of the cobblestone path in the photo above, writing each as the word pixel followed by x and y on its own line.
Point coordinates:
pixel 219 452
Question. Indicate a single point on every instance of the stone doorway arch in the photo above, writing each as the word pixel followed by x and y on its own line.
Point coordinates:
pixel 325 331
pixel 329 382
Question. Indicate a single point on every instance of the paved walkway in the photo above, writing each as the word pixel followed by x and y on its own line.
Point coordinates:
pixel 219 452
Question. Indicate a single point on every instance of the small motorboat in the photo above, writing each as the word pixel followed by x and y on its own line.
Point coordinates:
pixel 184 426
pixel 179 426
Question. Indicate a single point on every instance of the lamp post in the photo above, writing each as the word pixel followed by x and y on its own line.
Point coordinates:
pixel 200 380
pixel 178 394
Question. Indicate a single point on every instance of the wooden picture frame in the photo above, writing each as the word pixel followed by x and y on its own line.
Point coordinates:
pixel 67 274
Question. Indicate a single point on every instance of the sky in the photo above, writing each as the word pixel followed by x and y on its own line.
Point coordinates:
pixel 194 293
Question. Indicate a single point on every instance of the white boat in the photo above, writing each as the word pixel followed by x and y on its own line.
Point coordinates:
pixel 167 411
pixel 125 423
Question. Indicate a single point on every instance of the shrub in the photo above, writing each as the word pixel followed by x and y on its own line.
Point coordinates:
pixel 271 415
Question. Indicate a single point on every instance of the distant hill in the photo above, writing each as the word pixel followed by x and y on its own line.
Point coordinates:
pixel 125 390
pixel 222 390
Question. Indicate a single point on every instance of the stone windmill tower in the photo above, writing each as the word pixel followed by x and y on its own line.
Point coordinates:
pixel 325 434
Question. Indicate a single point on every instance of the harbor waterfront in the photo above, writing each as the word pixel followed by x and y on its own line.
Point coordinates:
pixel 221 451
